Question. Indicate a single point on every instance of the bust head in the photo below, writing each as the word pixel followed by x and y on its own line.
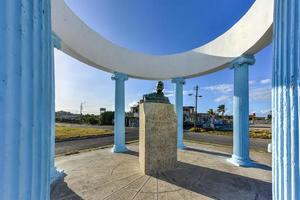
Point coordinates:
pixel 159 87
pixel 156 97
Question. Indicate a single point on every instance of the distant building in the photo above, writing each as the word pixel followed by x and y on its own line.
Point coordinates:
pixel 135 110
pixel 188 113
pixel 203 119
pixel 132 117
pixel 102 110
pixel 63 116
pixel 253 119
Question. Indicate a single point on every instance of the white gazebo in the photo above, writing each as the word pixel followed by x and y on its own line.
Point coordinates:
pixel 29 30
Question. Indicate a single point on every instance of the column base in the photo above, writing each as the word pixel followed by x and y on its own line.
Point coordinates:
pixel 119 149
pixel 56 175
pixel 181 146
pixel 270 147
pixel 241 162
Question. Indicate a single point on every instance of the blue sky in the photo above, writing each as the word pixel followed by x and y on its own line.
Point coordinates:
pixel 131 25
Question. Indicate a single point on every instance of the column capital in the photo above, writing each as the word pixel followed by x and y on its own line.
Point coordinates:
pixel 56 41
pixel 244 59
pixel 119 76
pixel 178 80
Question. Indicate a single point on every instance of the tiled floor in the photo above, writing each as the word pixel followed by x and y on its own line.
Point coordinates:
pixel 202 173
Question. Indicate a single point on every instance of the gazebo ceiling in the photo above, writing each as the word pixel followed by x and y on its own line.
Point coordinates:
pixel 248 36
pixel 160 27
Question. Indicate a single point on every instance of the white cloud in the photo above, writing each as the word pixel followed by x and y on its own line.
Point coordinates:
pixel 134 103
pixel 265 111
pixel 260 94
pixel 261 113
pixel 222 99
pixel 263 93
pixel 224 88
pixel 251 82
pixel 265 81
pixel 228 112
pixel 169 93
pixel 187 92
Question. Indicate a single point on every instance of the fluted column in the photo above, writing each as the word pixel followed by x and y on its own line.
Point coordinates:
pixel 119 125
pixel 240 155
pixel 55 174
pixel 285 100
pixel 179 82
pixel 25 99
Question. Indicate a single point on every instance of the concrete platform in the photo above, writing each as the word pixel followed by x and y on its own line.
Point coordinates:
pixel 202 173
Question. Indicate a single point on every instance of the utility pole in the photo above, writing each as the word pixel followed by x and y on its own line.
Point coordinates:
pixel 196 104
pixel 81 108
pixel 100 117
pixel 102 110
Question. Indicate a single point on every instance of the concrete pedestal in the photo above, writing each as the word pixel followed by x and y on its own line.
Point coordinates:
pixel 158 138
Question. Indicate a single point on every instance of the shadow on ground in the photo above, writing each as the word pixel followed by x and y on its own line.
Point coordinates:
pixel 256 165
pixel 133 153
pixel 216 184
pixel 208 152
pixel 224 182
pixel 61 191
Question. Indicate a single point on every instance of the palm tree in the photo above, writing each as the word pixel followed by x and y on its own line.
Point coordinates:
pixel 221 109
pixel 211 112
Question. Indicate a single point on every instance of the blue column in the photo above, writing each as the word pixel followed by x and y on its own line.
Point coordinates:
pixel 285 100
pixel 179 82
pixel 119 125
pixel 55 174
pixel 25 99
pixel 240 155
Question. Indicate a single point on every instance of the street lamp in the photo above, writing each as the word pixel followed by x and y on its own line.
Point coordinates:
pixel 196 103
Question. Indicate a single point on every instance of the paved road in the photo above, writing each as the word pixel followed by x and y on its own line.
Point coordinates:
pixel 258 144
pixel 132 134
pixel 76 145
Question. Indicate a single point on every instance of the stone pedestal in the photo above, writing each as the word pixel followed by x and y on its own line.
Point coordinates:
pixel 157 137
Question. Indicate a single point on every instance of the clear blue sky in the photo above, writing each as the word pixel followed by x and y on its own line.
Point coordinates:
pixel 158 27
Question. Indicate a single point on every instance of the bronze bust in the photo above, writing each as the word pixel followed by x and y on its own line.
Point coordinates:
pixel 158 96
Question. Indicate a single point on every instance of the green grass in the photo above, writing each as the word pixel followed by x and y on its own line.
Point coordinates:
pixel 263 134
pixel 255 133
pixel 68 132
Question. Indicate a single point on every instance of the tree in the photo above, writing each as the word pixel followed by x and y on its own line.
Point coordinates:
pixel 211 112
pixel 90 119
pixel 221 109
pixel 107 118
pixel 93 120
pixel 269 116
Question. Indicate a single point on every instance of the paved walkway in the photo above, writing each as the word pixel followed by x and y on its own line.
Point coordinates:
pixel 202 173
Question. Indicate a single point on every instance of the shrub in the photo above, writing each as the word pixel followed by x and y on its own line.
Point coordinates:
pixel 107 118
pixel 197 130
